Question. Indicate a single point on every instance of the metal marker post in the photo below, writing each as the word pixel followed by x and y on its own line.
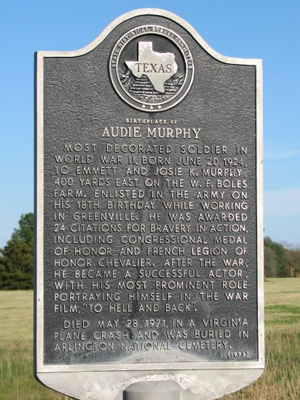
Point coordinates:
pixel 153 390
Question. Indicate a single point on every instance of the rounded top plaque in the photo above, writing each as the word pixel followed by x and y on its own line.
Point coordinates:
pixel 151 68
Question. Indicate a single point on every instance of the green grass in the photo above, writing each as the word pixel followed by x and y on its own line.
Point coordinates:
pixel 281 380
pixel 16 349
pixel 283 314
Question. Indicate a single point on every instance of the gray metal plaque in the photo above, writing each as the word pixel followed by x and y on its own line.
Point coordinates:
pixel 149 220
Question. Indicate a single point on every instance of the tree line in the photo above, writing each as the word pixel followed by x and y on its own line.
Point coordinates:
pixel 17 265
pixel 281 261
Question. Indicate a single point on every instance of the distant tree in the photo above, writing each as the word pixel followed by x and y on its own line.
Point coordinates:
pixel 289 245
pixel 270 263
pixel 26 228
pixel 16 258
pixel 279 250
pixel 282 270
pixel 292 262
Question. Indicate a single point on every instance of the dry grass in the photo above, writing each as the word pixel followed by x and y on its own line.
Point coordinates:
pixel 281 380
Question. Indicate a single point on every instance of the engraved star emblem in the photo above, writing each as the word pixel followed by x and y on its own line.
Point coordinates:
pixel 151 107
pixel 143 106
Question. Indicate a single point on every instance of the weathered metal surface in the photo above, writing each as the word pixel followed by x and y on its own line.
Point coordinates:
pixel 149 203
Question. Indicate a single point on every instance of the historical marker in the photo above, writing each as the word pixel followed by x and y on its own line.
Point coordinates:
pixel 149 215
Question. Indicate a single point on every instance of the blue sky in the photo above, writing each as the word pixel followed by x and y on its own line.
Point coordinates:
pixel 248 29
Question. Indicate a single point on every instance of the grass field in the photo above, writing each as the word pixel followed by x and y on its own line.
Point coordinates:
pixel 281 380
